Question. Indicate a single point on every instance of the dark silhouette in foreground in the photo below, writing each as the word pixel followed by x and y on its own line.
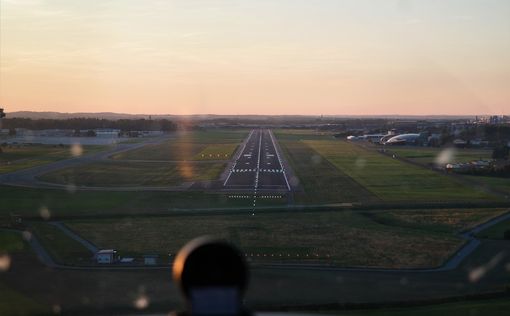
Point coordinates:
pixel 213 277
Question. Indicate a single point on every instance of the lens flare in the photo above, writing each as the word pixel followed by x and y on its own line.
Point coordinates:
pixel 5 262
pixel 445 156
pixel 45 213
pixel 141 302
pixel 76 150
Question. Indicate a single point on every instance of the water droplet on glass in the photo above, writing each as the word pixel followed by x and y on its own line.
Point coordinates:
pixel 360 163
pixel 76 150
pixel 445 156
pixel 27 235
pixel 71 188
pixel 141 302
pixel 56 309
pixel 5 262
pixel 316 159
pixel 45 213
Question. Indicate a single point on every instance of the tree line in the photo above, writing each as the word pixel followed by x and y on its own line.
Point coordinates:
pixel 90 123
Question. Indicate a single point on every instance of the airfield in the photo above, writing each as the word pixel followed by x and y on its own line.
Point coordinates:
pixel 304 207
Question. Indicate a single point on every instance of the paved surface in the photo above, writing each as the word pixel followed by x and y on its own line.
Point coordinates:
pixel 258 165
pixel 258 169
pixel 42 255
pixel 28 177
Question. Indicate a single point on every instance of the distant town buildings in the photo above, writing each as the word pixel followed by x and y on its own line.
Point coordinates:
pixel 481 132
pixel 106 132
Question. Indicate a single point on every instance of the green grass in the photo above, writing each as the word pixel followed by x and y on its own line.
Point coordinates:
pixel 11 241
pixel 495 232
pixel 496 307
pixel 62 248
pixel 342 238
pixel 393 180
pixel 129 173
pixel 17 157
pixel 216 136
pixel 186 146
pixel 28 202
pixel 301 134
pixel 13 303
pixel 322 182
pixel 217 152
pixel 443 220
pixel 167 151
pixel 427 155
pixel 502 184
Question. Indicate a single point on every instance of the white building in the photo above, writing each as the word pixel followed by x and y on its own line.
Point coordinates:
pixel 150 260
pixel 106 256
pixel 107 132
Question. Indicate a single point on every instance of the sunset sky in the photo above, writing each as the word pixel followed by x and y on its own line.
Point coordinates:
pixel 333 57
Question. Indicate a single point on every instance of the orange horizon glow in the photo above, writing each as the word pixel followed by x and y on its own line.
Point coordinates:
pixel 355 57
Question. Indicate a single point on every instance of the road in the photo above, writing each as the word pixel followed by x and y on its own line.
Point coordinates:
pixel 28 177
pixel 258 166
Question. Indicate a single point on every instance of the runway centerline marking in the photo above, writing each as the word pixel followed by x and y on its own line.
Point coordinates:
pixel 257 174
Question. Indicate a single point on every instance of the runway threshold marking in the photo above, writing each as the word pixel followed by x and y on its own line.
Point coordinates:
pixel 238 156
pixel 279 160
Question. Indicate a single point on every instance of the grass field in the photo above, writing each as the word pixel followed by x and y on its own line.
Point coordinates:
pixel 322 182
pixel 129 173
pixel 496 307
pixel 393 180
pixel 495 232
pixel 217 152
pixel 301 134
pixel 62 248
pixel 190 146
pixel 443 220
pixel 14 303
pixel 502 184
pixel 17 157
pixel 11 241
pixel 427 155
pixel 28 202
pixel 342 238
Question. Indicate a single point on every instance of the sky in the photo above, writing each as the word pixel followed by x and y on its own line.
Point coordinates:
pixel 338 57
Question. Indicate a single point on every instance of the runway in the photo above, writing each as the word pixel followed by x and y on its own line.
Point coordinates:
pixel 258 166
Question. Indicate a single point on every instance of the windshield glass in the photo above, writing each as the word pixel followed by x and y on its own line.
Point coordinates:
pixel 355 153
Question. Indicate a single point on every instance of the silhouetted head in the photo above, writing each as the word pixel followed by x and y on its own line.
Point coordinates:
pixel 212 275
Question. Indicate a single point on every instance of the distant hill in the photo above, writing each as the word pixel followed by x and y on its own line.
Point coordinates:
pixel 117 116
pixel 101 115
